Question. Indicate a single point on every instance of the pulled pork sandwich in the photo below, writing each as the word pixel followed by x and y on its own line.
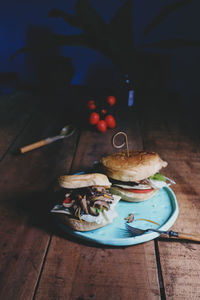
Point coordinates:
pixel 87 203
pixel 135 177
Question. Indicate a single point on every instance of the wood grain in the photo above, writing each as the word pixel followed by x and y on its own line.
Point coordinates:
pixel 39 261
pixel 76 270
pixel 25 197
pixel 171 134
pixel 15 112
pixel 181 269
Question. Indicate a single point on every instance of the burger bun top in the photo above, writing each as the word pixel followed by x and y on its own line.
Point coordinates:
pixel 83 180
pixel 137 166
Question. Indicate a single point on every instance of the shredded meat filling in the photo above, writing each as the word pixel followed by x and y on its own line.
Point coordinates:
pixel 90 200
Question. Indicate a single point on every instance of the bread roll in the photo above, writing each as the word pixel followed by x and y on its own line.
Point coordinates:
pixel 135 167
pixel 82 225
pixel 83 180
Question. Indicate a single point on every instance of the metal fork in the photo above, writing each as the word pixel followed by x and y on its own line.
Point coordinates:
pixel 186 236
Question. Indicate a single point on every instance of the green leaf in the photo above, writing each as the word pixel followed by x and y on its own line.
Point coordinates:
pixel 79 40
pixel 43 45
pixel 20 51
pixel 173 44
pixel 120 27
pixel 114 40
pixel 120 35
pixel 165 12
pixel 90 21
pixel 158 176
pixel 70 19
pixel 69 40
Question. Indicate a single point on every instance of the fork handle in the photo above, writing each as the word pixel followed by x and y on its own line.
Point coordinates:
pixel 36 145
pixel 189 236
pixel 184 236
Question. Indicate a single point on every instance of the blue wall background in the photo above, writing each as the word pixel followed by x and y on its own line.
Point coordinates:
pixel 90 67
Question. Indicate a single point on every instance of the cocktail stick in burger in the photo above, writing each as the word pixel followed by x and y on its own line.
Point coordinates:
pixel 135 177
pixel 87 204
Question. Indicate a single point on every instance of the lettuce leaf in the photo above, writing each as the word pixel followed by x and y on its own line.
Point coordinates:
pixel 158 176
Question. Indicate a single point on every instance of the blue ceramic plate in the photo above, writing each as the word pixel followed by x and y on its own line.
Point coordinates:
pixel 161 208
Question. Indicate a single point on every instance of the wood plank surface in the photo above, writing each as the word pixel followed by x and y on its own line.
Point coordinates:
pixel 25 188
pixel 39 261
pixel 79 270
pixel 15 112
pixel 171 133
pixel 181 269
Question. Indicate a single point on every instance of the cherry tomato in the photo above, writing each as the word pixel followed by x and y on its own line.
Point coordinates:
pixel 110 121
pixel 101 126
pixel 138 191
pixel 111 100
pixel 103 111
pixel 91 104
pixel 94 118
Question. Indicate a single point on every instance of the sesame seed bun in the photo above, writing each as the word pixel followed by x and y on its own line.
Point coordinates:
pixel 135 167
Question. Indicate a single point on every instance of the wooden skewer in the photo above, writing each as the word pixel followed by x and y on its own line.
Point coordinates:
pixel 124 143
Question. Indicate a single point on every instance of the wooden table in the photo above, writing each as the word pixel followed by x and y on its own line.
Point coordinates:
pixel 39 261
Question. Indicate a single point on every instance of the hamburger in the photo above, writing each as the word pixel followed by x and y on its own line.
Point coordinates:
pixel 86 203
pixel 135 177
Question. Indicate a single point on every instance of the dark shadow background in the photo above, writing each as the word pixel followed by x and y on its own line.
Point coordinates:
pixel 52 70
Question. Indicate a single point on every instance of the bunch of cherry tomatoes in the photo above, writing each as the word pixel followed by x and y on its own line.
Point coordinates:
pixel 100 115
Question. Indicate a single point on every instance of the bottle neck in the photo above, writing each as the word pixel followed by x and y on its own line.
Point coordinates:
pixel 130 98
pixel 130 90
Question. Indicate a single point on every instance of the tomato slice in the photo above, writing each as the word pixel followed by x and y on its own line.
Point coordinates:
pixel 140 191
pixel 67 200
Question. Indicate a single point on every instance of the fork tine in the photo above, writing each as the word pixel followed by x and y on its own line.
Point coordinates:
pixel 134 231
pixel 124 233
